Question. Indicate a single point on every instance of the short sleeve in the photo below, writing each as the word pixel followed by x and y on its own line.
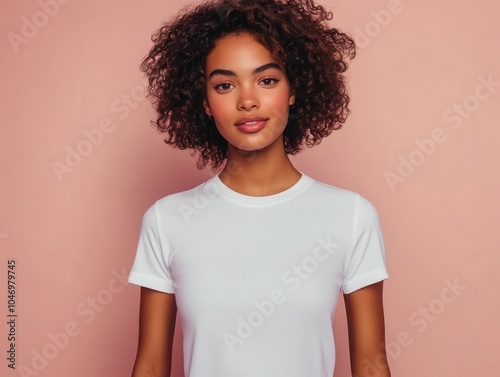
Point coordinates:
pixel 366 262
pixel 151 268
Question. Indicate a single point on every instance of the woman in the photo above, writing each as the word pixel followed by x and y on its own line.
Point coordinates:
pixel 253 259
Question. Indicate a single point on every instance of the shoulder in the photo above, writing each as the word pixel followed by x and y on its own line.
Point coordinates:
pixel 174 203
pixel 340 194
pixel 205 188
pixel 347 201
pixel 322 188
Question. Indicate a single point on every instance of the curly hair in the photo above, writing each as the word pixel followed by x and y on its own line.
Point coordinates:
pixel 297 35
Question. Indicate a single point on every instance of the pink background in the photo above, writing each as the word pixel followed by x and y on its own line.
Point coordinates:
pixel 421 144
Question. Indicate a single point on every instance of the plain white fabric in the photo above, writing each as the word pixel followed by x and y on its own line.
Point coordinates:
pixel 257 279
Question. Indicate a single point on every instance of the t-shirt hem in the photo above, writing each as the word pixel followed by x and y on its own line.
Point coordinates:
pixel 150 282
pixel 364 280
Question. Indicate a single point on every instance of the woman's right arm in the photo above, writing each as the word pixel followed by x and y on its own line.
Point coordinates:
pixel 158 311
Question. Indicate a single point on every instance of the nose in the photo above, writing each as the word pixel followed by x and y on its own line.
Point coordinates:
pixel 248 100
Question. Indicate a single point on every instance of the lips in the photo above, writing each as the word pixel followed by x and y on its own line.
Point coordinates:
pixel 250 120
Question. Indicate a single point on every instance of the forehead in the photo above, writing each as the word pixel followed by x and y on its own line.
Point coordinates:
pixel 238 53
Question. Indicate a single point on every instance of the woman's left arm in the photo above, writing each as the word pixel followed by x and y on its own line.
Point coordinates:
pixel 365 320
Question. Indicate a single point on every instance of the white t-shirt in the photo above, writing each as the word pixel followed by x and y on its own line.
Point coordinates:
pixel 257 279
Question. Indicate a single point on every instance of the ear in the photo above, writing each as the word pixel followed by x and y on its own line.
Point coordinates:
pixel 207 107
pixel 291 100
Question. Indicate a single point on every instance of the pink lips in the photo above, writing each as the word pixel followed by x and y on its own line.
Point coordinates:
pixel 251 124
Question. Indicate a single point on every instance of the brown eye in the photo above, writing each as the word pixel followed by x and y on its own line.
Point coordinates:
pixel 223 86
pixel 270 81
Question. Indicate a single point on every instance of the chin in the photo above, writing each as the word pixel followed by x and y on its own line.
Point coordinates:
pixel 267 138
pixel 255 146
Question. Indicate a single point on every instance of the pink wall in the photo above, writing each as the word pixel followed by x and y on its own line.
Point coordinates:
pixel 421 144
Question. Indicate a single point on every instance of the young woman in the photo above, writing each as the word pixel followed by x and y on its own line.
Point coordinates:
pixel 254 258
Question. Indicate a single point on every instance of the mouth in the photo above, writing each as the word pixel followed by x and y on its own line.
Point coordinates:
pixel 251 124
pixel 250 121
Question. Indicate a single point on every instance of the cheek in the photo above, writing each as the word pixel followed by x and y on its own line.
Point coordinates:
pixel 279 105
pixel 218 106
pixel 281 99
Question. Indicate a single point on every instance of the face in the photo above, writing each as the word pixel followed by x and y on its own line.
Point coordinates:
pixel 248 93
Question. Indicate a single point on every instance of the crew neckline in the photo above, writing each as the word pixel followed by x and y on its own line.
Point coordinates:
pixel 290 192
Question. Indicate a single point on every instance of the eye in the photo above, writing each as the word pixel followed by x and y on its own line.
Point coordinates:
pixel 223 87
pixel 270 81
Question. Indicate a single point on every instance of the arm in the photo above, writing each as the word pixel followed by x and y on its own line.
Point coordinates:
pixel 156 334
pixel 365 320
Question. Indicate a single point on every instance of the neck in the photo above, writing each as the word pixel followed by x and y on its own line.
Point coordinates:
pixel 259 173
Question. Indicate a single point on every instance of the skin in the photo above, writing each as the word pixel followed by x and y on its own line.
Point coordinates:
pixel 257 164
pixel 157 317
pixel 243 79
pixel 365 321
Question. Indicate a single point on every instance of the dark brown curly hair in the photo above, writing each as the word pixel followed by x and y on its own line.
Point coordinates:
pixel 294 31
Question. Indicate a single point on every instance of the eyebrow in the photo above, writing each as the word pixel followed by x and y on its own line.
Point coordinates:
pixel 227 72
